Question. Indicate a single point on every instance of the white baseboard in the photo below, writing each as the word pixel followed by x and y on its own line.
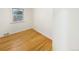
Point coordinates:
pixel 43 34
pixel 2 35
pixel 28 29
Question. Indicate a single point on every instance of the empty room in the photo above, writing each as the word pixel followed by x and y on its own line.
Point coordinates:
pixel 39 29
pixel 25 29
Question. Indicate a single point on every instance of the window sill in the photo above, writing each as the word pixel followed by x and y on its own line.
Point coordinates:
pixel 15 22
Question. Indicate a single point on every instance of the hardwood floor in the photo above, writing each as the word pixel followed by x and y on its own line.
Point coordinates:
pixel 28 40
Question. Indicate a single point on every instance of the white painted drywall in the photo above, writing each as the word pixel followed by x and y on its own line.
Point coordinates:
pixel 4 20
pixel 66 28
pixel 73 33
pixel 6 24
pixel 43 21
pixel 61 18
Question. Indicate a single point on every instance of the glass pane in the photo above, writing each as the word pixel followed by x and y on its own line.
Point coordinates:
pixel 17 14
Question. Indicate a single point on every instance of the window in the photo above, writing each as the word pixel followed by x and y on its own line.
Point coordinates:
pixel 18 14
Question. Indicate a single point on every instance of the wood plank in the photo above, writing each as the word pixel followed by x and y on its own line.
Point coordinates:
pixel 28 40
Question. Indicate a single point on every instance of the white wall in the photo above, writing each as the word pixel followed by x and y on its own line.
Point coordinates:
pixel 66 28
pixel 73 33
pixel 6 24
pixel 43 19
pixel 61 18
pixel 4 20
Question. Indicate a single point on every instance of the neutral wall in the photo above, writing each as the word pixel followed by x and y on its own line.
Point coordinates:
pixel 73 33
pixel 6 24
pixel 61 19
pixel 43 19
pixel 5 20
pixel 66 28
